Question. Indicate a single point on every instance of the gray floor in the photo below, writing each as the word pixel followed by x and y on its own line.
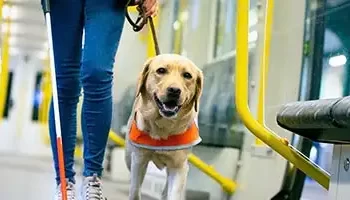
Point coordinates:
pixel 32 179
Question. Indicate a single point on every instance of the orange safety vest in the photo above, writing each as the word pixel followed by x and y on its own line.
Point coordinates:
pixel 185 140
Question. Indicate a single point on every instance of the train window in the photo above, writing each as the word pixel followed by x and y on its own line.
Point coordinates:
pixel 180 7
pixel 218 121
pixel 225 27
pixel 37 97
pixel 197 31
pixel 8 100
pixel 191 29
pixel 225 33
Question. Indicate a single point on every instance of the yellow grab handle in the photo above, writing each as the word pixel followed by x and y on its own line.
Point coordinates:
pixel 278 144
pixel 227 184
pixel 116 138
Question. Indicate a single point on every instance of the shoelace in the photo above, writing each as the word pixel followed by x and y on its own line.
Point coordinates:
pixel 94 189
pixel 70 192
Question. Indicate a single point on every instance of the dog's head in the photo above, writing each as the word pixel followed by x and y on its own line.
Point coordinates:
pixel 172 82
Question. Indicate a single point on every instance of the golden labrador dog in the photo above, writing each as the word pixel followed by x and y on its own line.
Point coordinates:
pixel 163 123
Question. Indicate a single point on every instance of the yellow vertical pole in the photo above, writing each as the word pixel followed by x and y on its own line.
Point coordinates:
pixel 41 106
pixel 45 103
pixel 47 96
pixel 4 71
pixel 264 64
pixel 46 93
pixel 1 7
pixel 1 68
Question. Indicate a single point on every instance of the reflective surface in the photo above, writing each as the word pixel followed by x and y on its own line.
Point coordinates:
pixel 334 63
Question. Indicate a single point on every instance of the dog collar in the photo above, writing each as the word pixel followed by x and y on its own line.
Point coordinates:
pixel 185 140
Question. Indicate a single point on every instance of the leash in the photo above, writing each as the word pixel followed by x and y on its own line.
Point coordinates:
pixel 141 21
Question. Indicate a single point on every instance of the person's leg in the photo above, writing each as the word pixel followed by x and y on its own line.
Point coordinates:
pixel 67 26
pixel 103 28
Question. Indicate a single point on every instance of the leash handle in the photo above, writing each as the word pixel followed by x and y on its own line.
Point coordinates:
pixel 141 21
pixel 46 6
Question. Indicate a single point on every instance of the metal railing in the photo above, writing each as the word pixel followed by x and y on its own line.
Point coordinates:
pixel 267 136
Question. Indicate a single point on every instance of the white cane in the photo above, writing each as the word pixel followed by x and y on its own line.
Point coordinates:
pixel 46 8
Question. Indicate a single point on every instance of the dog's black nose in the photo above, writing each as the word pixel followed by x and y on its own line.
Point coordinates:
pixel 174 92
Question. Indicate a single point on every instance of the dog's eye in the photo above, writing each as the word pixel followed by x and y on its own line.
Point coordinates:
pixel 161 70
pixel 187 75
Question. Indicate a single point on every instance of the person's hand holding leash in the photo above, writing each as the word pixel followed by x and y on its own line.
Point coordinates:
pixel 151 7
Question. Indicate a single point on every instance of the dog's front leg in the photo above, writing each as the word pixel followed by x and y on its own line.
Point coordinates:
pixel 176 182
pixel 138 171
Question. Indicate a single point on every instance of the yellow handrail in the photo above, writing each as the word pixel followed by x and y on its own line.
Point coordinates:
pixel 1 9
pixel 278 144
pixel 264 64
pixel 45 103
pixel 227 184
pixel 4 67
pixel 46 93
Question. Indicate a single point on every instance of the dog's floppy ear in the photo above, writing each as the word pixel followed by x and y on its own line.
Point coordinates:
pixel 141 84
pixel 199 89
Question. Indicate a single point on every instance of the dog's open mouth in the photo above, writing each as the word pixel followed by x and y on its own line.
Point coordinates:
pixel 167 108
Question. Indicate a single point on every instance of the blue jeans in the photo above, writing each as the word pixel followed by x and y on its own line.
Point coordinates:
pixel 91 68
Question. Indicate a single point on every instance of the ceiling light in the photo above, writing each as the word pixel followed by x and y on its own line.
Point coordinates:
pixel 6 11
pixel 337 61
pixel 176 25
pixel 253 36
pixel 9 11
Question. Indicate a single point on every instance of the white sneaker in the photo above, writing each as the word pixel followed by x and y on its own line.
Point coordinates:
pixel 92 188
pixel 70 192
